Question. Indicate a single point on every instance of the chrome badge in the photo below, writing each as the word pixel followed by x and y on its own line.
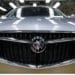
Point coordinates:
pixel 38 44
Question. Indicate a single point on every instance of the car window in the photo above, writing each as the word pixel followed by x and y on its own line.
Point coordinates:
pixel 58 12
pixel 12 13
pixel 35 11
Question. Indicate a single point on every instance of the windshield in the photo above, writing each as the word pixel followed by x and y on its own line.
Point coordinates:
pixel 35 11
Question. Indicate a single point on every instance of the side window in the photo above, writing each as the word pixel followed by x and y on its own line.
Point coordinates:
pixel 56 13
pixel 11 14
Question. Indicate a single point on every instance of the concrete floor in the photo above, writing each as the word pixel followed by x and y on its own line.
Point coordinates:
pixel 11 69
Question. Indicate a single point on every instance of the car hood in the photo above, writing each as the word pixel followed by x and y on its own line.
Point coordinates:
pixel 38 24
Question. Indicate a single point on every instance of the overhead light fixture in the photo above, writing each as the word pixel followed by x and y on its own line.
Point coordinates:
pixel 48 1
pixel 21 1
pixel 3 9
pixel 34 4
pixel 57 5
pixel 13 5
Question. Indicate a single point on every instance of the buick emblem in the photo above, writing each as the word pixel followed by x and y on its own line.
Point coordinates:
pixel 38 44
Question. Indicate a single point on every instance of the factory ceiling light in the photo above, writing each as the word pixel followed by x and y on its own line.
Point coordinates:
pixel 21 1
pixel 57 5
pixel 3 9
pixel 48 1
pixel 34 4
pixel 13 5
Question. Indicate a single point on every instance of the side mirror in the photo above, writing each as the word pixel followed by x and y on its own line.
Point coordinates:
pixel 3 17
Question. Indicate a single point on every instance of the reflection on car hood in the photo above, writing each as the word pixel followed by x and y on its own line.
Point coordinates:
pixel 38 23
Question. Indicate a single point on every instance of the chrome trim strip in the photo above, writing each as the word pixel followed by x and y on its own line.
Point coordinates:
pixel 10 39
pixel 35 31
pixel 29 66
pixel 60 40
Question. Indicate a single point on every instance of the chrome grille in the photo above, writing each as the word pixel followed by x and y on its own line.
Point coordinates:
pixel 29 36
pixel 22 54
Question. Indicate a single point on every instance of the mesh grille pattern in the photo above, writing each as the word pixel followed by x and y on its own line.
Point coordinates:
pixel 22 53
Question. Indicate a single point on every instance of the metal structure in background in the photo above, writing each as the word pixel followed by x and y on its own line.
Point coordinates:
pixel 38 1
pixel 67 3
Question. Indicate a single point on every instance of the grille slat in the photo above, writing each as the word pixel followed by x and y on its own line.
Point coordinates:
pixel 22 53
